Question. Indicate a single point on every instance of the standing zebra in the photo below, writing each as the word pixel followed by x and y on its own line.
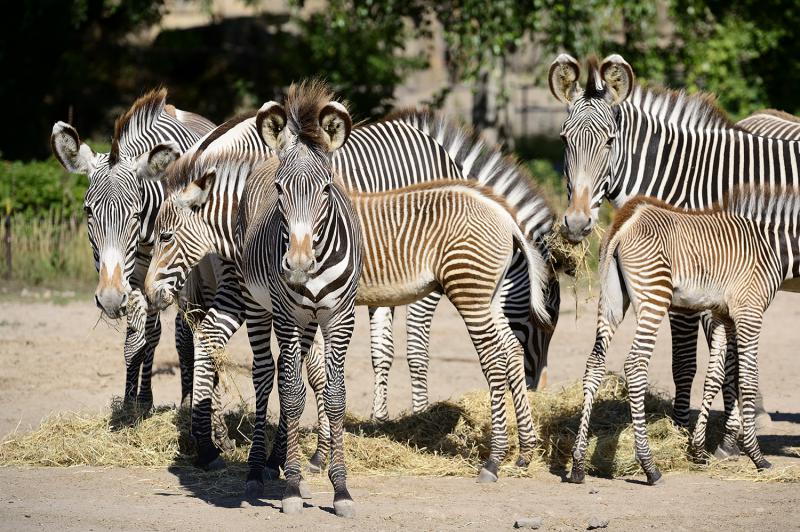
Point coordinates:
pixel 303 248
pixel 623 140
pixel 120 213
pixel 408 148
pixel 729 259
pixel 772 123
pixel 188 236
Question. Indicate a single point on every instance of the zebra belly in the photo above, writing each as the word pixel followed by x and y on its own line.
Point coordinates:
pixel 691 296
pixel 391 295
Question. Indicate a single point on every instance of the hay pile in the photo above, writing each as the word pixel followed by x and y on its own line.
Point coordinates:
pixel 448 439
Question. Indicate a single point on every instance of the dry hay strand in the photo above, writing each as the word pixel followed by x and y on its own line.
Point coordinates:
pixel 450 438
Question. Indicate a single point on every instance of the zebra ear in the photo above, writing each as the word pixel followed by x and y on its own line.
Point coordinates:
pixel 270 123
pixel 618 77
pixel 335 122
pixel 75 156
pixel 563 78
pixel 197 192
pixel 152 165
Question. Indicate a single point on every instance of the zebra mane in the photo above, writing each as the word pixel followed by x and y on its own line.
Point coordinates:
pixel 486 164
pixel 783 115
pixel 678 108
pixel 775 204
pixel 143 113
pixel 302 103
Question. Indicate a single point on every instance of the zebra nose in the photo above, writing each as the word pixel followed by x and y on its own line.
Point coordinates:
pixel 577 225
pixel 123 304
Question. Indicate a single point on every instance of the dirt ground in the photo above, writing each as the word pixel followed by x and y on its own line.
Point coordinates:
pixel 58 356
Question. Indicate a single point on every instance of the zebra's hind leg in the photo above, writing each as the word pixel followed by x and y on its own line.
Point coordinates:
pixel 728 447
pixel 519 393
pixel 683 328
pixel 259 327
pixel 315 370
pixel 184 344
pixel 382 352
pixel 715 375
pixel 748 330
pixel 419 317
pixel 651 311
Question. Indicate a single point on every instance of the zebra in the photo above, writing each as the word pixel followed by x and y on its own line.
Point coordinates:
pixel 730 259
pixel 623 140
pixel 404 149
pixel 121 213
pixel 189 238
pixel 772 123
pixel 304 248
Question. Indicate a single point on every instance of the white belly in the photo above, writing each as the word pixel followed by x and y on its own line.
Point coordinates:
pixel 390 295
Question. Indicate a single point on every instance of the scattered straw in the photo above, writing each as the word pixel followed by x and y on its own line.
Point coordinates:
pixel 448 439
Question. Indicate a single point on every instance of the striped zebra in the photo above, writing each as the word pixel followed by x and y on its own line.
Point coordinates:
pixel 190 235
pixel 729 259
pixel 623 140
pixel 772 123
pixel 408 148
pixel 301 244
pixel 121 212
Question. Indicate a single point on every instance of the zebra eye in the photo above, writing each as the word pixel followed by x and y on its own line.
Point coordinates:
pixel 610 141
pixel 166 236
pixel 137 216
pixel 87 210
pixel 563 138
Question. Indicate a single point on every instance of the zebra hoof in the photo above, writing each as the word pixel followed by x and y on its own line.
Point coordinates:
pixel 305 491
pixel 292 505
pixel 576 476
pixel 654 478
pixel 698 456
pixel 345 508
pixel 522 462
pixel 488 473
pixel 317 463
pixel 763 465
pixel 253 489
pixel 271 474
pixel 727 451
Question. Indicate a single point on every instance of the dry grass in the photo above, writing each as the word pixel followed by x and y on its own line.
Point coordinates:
pixel 448 439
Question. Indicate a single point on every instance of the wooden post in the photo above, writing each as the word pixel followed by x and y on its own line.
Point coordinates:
pixel 8 246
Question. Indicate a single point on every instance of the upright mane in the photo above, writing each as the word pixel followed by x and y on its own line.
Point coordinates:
pixel 143 113
pixel 303 103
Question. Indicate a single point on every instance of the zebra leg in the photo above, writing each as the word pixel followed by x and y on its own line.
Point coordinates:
pixel 728 447
pixel 650 313
pixel 684 363
pixel 259 327
pixel 715 375
pixel 292 393
pixel 144 398
pixel 748 330
pixel 211 338
pixel 382 351
pixel 337 330
pixel 315 370
pixel 519 392
pixel 419 317
pixel 184 344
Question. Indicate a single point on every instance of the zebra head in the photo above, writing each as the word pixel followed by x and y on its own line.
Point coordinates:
pixel 304 143
pixel 117 218
pixel 589 134
pixel 182 240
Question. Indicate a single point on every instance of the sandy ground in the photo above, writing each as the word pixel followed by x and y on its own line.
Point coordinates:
pixel 57 357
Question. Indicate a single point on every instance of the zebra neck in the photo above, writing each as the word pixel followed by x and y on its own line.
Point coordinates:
pixel 694 166
pixel 152 198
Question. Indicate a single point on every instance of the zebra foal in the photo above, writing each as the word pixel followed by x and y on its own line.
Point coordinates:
pixel 729 259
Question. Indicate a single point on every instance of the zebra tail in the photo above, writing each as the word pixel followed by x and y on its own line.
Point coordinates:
pixel 537 274
pixel 612 289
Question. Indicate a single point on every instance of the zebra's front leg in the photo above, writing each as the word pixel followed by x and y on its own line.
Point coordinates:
pixel 715 375
pixel 649 316
pixel 210 339
pixel 684 328
pixel 419 317
pixel 382 352
pixel 184 344
pixel 748 330
pixel 152 336
pixel 729 447
pixel 292 393
pixel 337 330
pixel 259 327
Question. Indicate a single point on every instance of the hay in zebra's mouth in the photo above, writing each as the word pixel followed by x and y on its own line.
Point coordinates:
pixel 450 438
